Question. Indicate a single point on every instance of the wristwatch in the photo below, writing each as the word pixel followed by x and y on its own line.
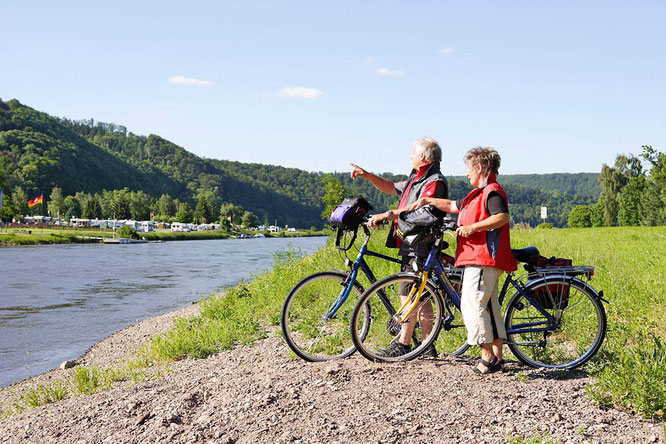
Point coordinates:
pixel 389 214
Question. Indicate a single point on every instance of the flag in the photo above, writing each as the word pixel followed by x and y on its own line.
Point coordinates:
pixel 0 198
pixel 35 201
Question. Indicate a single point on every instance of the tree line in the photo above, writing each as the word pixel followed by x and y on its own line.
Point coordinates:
pixel 633 193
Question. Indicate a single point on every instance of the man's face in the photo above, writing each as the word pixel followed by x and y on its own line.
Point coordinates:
pixel 418 160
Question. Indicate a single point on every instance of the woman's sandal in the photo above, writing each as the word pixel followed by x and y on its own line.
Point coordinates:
pixel 492 366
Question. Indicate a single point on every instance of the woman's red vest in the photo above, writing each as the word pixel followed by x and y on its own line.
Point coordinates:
pixel 484 248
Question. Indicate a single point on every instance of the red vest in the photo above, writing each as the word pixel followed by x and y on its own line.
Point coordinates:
pixel 485 248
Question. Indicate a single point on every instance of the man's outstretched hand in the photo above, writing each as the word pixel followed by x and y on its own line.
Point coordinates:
pixel 357 171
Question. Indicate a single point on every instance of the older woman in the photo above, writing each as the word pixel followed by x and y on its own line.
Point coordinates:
pixel 484 250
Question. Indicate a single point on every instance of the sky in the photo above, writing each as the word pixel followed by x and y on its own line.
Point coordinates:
pixel 554 86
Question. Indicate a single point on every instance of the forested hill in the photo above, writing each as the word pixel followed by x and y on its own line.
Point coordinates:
pixel 39 152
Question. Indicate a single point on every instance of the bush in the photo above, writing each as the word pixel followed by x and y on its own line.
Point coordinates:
pixel 127 232
pixel 545 225
pixel 580 216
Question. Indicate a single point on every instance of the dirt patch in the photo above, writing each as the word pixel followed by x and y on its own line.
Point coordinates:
pixel 258 394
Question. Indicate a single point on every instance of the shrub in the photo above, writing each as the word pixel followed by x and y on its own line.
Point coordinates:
pixel 127 232
pixel 545 225
pixel 580 216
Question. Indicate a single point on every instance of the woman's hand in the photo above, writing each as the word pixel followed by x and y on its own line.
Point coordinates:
pixel 466 230
pixel 377 220
pixel 423 201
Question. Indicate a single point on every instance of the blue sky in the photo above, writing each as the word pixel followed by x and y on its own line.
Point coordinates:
pixel 554 86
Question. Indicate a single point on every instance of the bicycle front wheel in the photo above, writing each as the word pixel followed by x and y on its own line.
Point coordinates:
pixel 383 301
pixel 312 325
pixel 578 332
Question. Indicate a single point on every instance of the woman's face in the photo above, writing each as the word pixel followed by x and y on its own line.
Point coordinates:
pixel 475 174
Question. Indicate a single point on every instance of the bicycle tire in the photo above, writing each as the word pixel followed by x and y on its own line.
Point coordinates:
pixel 306 329
pixel 580 331
pixel 384 326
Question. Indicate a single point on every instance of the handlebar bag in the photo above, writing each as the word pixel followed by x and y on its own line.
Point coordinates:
pixel 350 213
pixel 419 226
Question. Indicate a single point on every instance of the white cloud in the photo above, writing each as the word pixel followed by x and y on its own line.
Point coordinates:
pixel 300 91
pixel 445 50
pixel 182 80
pixel 390 72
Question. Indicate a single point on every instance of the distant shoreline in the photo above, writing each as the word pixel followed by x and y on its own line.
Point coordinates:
pixel 15 239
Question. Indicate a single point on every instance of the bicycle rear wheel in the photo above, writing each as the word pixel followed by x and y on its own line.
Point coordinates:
pixel 579 330
pixel 309 326
pixel 383 301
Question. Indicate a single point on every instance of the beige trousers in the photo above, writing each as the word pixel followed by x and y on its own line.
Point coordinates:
pixel 480 305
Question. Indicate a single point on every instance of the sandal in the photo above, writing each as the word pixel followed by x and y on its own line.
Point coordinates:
pixel 492 366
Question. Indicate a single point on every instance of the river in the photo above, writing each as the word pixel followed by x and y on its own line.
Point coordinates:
pixel 56 301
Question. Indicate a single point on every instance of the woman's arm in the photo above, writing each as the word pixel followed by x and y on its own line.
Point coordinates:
pixel 490 223
pixel 446 205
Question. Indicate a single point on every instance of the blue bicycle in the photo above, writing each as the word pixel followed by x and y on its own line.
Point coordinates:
pixel 554 319
pixel 315 317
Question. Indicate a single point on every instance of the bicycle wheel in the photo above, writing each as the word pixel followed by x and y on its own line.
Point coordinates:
pixel 452 339
pixel 579 331
pixel 311 331
pixel 382 301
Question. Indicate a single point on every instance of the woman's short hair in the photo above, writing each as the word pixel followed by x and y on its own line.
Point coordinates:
pixel 487 157
pixel 430 149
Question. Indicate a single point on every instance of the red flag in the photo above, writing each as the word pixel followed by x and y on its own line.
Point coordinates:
pixel 35 201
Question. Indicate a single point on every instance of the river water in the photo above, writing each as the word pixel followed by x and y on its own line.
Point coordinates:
pixel 56 301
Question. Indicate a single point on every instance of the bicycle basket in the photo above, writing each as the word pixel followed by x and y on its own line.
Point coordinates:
pixel 419 226
pixel 350 213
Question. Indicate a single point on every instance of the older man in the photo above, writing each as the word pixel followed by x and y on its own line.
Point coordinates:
pixel 425 180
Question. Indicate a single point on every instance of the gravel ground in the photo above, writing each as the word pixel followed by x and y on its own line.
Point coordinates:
pixel 258 394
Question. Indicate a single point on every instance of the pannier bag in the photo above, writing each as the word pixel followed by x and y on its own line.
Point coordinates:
pixel 419 226
pixel 350 213
pixel 554 296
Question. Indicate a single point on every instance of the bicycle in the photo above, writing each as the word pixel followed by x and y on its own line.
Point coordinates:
pixel 554 319
pixel 315 318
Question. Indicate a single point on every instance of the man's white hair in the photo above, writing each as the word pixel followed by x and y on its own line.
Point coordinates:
pixel 430 149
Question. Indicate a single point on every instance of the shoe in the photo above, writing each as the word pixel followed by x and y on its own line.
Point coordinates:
pixel 491 367
pixel 394 350
pixel 430 352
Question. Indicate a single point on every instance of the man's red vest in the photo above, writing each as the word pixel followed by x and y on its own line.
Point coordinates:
pixel 484 248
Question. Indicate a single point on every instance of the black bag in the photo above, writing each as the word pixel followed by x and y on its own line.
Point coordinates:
pixel 350 213
pixel 419 226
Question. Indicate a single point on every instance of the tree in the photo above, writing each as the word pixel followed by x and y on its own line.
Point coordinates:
pixel 71 207
pixel 630 202
pixel 335 193
pixel 120 205
pixel 207 209
pixel 56 200
pixel 165 206
pixel 92 209
pixel 580 216
pixel 140 205
pixel 597 215
pixel 184 213
pixel 235 211
pixel 20 200
pixel 249 219
pixel 612 180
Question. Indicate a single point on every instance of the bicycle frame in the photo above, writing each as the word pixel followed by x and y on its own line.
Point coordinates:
pixel 359 264
pixel 435 269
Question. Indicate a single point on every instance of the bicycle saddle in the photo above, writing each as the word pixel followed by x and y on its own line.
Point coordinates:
pixel 527 254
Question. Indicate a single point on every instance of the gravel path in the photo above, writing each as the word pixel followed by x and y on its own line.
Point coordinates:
pixel 257 394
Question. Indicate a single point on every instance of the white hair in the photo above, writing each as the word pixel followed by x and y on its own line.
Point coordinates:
pixel 430 149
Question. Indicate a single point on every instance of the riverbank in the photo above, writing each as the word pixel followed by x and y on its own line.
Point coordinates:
pixel 258 394
pixel 38 236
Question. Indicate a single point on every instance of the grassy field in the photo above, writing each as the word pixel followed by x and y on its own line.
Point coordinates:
pixel 629 371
